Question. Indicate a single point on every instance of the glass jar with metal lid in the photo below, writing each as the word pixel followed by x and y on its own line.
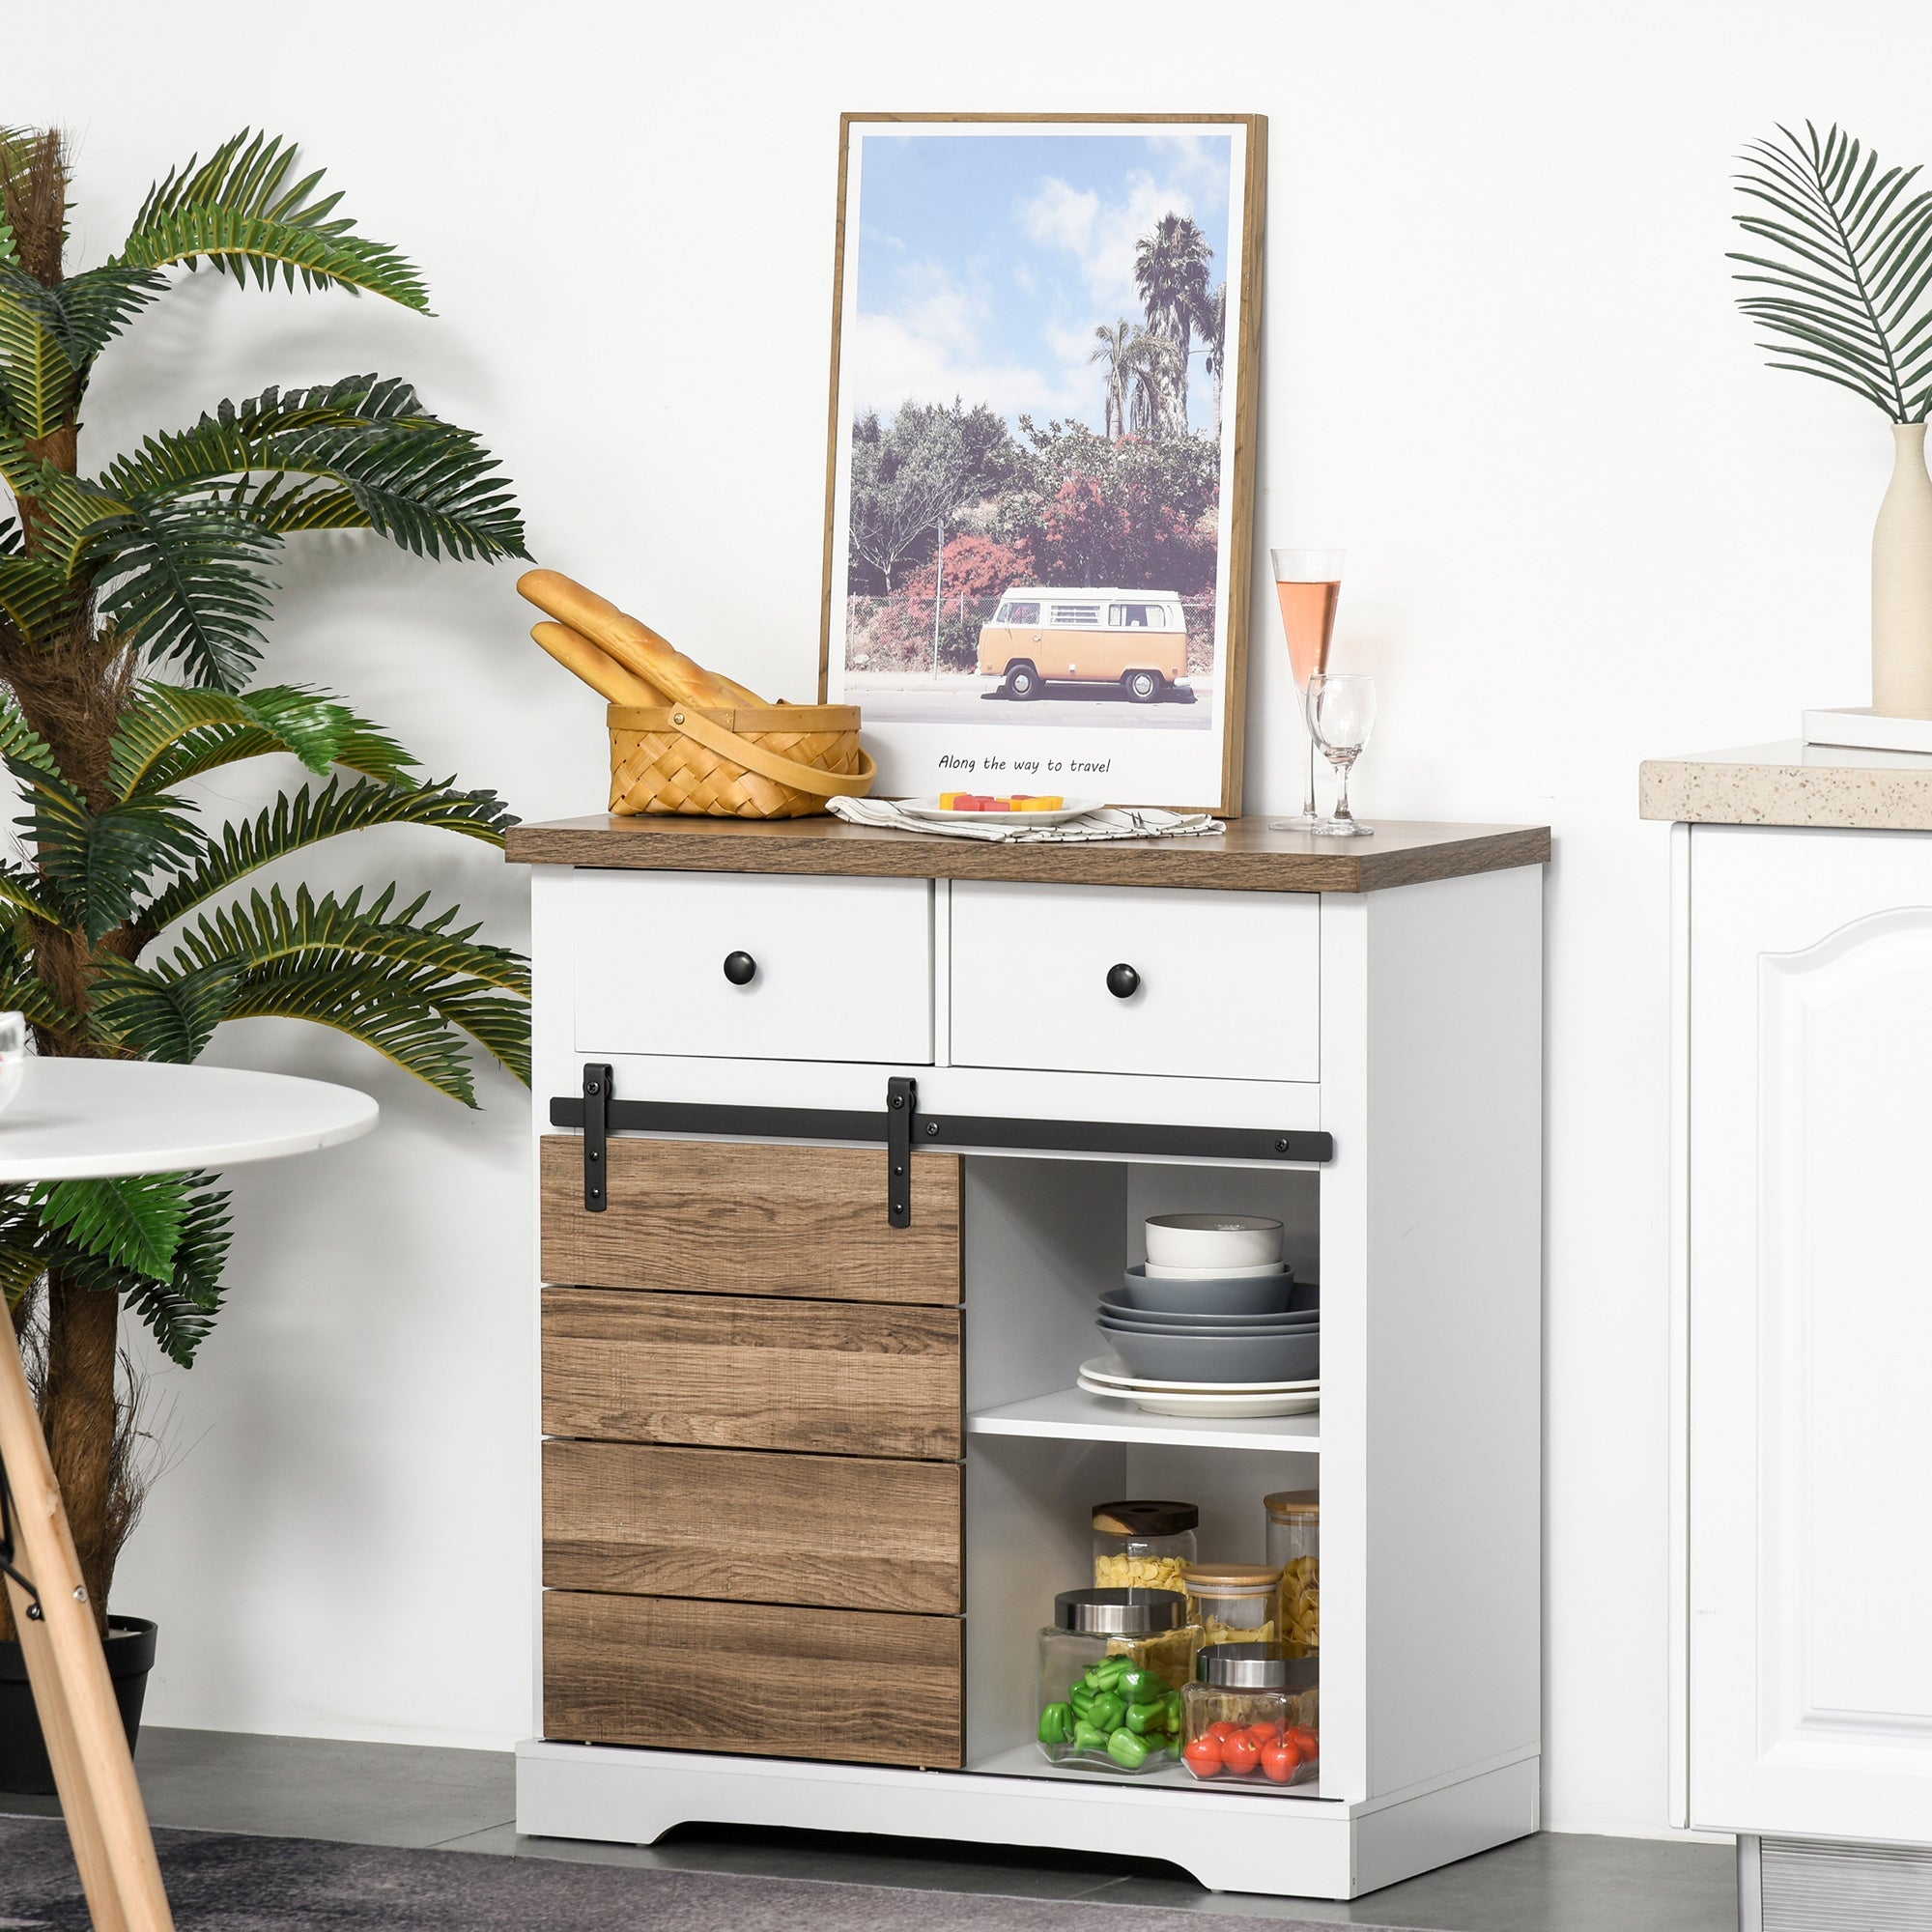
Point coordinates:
pixel 1235 1603
pixel 1111 1667
pixel 1253 1713
pixel 1295 1541
pixel 1143 1546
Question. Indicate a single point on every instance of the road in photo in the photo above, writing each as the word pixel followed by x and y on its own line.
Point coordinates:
pixel 918 700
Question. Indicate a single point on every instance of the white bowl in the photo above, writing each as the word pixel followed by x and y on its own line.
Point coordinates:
pixel 1218 1241
pixel 1156 1272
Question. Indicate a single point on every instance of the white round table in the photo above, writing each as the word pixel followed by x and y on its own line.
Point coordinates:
pixel 93 1120
pixel 89 1119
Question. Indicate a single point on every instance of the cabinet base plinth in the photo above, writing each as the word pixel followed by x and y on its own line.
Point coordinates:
pixel 1318 1848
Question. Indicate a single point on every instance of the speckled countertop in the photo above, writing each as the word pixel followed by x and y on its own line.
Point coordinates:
pixel 1790 783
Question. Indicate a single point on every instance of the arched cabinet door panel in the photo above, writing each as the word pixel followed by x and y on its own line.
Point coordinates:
pixel 1810 1574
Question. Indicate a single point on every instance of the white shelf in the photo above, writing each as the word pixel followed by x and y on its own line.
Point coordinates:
pixel 1029 1762
pixel 1072 1415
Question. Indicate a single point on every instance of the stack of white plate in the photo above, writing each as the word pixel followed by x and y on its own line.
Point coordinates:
pixel 1107 1375
pixel 1214 1321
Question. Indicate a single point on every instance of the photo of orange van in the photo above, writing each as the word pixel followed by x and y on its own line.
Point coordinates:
pixel 1133 639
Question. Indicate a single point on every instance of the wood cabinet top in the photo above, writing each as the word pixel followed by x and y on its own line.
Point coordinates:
pixel 1247 857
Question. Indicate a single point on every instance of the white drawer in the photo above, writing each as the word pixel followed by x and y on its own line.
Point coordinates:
pixel 844 966
pixel 1229 982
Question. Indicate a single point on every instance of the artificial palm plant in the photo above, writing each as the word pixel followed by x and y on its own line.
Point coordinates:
pixel 1849 300
pixel 132 602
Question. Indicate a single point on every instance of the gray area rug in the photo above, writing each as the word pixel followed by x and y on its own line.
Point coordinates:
pixel 222 1882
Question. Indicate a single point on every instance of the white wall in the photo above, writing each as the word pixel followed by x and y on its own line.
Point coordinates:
pixel 1501 365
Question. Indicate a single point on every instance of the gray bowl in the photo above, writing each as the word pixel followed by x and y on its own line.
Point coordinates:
pixel 1217 1358
pixel 1223 1294
pixel 1115 1306
pixel 1110 1325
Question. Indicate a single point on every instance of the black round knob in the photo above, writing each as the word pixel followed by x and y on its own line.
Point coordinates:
pixel 740 968
pixel 1123 981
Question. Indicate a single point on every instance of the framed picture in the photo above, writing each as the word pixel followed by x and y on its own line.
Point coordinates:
pixel 1040 480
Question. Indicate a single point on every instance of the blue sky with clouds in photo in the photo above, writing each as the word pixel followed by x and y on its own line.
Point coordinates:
pixel 986 260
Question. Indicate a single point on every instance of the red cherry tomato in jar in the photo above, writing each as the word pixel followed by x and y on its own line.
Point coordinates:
pixel 1264 1733
pixel 1308 1743
pixel 1280 1762
pixel 1220 1730
pixel 1203 1756
pixel 1241 1753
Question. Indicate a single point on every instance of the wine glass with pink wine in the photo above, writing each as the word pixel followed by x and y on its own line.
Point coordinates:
pixel 1308 584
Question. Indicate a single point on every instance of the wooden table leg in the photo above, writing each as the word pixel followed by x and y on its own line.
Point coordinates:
pixel 94 1770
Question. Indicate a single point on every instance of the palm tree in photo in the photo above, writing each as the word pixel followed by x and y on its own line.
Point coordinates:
pixel 1171 274
pixel 1114 348
pixel 1149 367
pixel 1214 326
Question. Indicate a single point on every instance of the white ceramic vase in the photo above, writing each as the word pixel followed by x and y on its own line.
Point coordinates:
pixel 1902 583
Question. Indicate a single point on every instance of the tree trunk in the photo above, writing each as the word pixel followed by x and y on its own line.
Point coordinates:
pixel 77 1416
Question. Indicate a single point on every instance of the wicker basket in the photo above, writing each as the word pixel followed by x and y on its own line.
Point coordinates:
pixel 758 761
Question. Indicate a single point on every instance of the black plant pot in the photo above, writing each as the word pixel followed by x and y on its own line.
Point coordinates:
pixel 23 1752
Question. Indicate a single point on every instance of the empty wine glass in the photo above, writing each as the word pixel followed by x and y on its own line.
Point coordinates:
pixel 1308 586
pixel 1341 713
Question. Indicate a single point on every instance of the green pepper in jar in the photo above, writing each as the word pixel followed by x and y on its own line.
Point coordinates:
pixel 1106 1711
pixel 1142 1686
pixel 1142 1718
pixel 1126 1750
pixel 1055 1723
pixel 1088 1737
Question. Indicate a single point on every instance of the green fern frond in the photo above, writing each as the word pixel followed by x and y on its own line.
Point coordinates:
pixel 134 1220
pixel 498 1024
pixel 37 596
pixel 38 380
pixel 241 212
pixel 88 310
pixel 158 717
pixel 1850 267
pixel 360 453
pixel 403 985
pixel 70 512
pixel 185 582
pixel 26 753
pixel 94 865
pixel 362 747
pixel 160 1016
pixel 267 928
pixel 22 891
pixel 307 817
pixel 382 1008
pixel 178 1309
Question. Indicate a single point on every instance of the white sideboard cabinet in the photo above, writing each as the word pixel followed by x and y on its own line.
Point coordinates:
pixel 1802 1325
pixel 841 1133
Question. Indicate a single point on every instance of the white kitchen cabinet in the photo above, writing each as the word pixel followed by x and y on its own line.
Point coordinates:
pixel 820 1249
pixel 1808 1167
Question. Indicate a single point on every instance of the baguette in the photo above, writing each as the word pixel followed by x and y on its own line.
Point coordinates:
pixel 635 646
pixel 601 673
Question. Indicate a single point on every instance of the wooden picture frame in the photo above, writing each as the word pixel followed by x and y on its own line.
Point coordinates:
pixel 926 715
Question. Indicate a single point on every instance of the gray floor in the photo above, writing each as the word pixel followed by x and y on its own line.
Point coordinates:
pixel 462 1800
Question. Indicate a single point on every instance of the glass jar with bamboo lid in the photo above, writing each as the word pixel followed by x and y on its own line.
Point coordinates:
pixel 1295 1541
pixel 1235 1603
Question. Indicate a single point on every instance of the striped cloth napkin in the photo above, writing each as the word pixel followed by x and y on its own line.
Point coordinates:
pixel 1107 822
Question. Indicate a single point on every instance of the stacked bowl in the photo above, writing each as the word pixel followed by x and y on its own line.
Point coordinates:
pixel 1213 1303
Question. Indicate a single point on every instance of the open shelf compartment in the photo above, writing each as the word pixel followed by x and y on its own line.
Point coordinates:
pixel 1043 1241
